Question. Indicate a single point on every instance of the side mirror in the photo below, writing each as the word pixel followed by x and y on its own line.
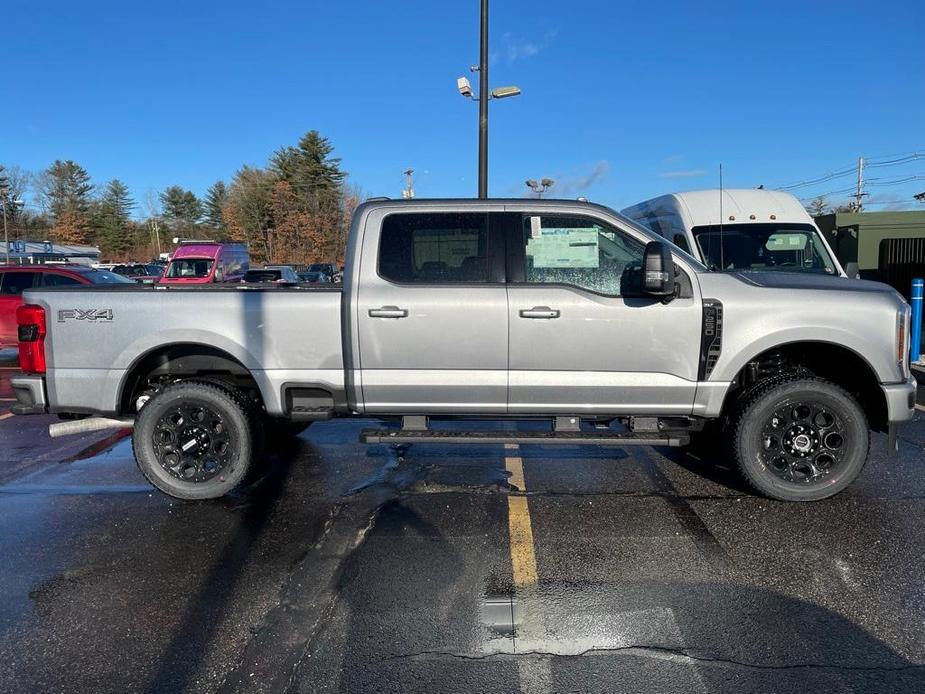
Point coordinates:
pixel 219 275
pixel 658 270
pixel 851 269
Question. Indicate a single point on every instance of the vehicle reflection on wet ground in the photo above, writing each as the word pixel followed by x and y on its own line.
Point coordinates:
pixel 430 568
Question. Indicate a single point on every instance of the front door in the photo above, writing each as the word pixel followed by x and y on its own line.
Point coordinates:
pixel 579 343
pixel 432 314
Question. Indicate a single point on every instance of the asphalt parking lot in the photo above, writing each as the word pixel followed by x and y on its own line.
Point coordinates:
pixel 349 568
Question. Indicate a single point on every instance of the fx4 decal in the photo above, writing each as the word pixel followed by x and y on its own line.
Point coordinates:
pixel 90 314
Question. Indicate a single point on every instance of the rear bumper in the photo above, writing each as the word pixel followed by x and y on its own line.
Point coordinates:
pixel 30 395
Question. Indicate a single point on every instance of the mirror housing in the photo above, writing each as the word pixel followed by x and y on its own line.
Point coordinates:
pixel 658 270
pixel 851 269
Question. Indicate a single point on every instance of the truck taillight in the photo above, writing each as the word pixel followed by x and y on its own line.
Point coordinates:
pixel 30 320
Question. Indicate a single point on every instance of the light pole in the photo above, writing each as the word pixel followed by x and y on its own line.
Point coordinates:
pixel 541 187
pixel 462 84
pixel 6 234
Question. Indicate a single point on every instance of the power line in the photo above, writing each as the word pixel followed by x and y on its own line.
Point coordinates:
pixel 869 162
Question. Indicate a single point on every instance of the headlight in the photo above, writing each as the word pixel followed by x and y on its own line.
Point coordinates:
pixel 902 339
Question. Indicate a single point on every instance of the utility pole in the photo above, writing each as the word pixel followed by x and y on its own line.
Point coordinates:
pixel 6 236
pixel 859 195
pixel 483 102
pixel 408 192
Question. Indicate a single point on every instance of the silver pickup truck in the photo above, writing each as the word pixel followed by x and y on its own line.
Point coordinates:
pixel 521 309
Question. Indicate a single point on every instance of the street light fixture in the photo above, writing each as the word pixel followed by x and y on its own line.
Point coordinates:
pixel 462 84
pixel 540 187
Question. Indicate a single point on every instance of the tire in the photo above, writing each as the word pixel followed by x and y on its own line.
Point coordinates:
pixel 802 439
pixel 214 426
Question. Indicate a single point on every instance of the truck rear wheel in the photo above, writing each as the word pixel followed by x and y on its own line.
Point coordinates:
pixel 194 440
pixel 800 440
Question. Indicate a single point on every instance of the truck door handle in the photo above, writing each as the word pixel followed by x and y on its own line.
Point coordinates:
pixel 539 312
pixel 388 312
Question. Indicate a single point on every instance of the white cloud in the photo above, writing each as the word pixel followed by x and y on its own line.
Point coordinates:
pixel 516 48
pixel 688 173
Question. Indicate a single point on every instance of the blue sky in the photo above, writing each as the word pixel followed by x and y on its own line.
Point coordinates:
pixel 621 101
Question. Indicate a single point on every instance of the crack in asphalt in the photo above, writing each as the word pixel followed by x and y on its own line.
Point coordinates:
pixel 658 652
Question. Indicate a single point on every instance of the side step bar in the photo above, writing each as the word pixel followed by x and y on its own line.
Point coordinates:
pixel 595 438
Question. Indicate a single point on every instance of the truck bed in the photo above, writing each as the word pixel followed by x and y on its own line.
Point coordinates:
pixel 97 334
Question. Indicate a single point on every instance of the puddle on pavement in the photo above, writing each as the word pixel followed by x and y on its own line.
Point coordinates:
pixel 104 467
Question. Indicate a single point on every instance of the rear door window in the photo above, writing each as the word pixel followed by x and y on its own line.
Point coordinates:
pixel 16 282
pixel 435 248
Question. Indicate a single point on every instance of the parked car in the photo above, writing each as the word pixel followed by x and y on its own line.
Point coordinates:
pixel 553 309
pixel 15 279
pixel 312 277
pixel 279 274
pixel 740 230
pixel 206 262
pixel 144 273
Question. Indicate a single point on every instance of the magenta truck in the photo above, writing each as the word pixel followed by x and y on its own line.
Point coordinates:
pixel 205 262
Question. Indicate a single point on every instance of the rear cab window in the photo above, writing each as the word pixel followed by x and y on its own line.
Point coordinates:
pixel 15 282
pixel 437 248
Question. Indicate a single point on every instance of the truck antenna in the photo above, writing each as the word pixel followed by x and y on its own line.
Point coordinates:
pixel 722 259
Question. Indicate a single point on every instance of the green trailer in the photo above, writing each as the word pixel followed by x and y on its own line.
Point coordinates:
pixel 886 246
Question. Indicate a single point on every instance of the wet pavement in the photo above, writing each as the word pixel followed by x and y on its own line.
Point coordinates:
pixel 428 568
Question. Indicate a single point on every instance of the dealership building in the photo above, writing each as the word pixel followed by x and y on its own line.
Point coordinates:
pixel 32 252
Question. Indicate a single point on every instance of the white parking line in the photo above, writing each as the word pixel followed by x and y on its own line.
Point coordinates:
pixel 6 416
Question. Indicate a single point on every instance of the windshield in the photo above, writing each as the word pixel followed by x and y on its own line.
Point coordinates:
pixel 190 268
pixel 763 248
pixel 106 277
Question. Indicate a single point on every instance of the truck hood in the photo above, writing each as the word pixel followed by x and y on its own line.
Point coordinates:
pixel 794 280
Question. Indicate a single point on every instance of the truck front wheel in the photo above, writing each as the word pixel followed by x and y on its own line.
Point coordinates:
pixel 194 440
pixel 800 440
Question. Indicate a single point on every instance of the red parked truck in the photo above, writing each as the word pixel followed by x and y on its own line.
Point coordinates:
pixel 205 262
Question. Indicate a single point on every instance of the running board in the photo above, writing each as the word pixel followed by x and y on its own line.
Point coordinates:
pixel 591 438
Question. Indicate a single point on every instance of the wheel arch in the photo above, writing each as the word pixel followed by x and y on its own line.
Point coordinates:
pixel 182 359
pixel 835 362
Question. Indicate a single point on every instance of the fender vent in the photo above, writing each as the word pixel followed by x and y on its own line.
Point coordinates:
pixel 711 337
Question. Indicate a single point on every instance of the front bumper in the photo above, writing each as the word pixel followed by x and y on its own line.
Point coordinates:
pixel 900 407
pixel 900 400
pixel 30 395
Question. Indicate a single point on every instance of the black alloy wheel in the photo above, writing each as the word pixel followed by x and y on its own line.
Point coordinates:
pixel 799 439
pixel 803 442
pixel 196 439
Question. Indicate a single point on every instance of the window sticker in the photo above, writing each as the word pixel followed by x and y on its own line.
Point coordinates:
pixel 564 248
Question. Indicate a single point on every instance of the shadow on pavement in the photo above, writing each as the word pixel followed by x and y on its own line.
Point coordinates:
pixel 190 644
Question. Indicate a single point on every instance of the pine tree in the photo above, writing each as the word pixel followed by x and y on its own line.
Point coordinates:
pixel 314 175
pixel 215 202
pixel 114 211
pixel 66 187
pixel 182 209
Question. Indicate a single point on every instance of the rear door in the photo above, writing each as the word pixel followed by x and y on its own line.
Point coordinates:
pixel 12 284
pixel 578 342
pixel 431 313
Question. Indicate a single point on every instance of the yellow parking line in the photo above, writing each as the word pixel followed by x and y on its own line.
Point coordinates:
pixel 523 555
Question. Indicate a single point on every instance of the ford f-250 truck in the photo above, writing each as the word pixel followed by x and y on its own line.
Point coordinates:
pixel 487 309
